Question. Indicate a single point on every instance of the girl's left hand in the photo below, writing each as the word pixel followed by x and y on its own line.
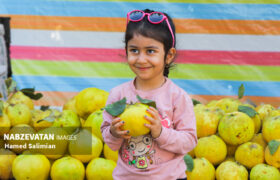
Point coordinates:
pixel 155 120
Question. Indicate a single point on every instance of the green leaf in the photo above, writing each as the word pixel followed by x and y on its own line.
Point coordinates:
pixel 77 130
pixel 44 108
pixel 273 146
pixel 8 82
pixel 11 85
pixel 116 108
pixel 247 110
pixel 30 92
pixel 189 162
pixel 195 102
pixel 147 101
pixel 1 107
pixel 241 91
pixel 49 118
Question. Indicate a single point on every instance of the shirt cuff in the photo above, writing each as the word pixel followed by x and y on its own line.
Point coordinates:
pixel 162 137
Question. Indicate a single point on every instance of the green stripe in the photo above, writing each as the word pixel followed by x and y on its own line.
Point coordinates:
pixel 121 70
pixel 70 68
pixel 195 1
pixel 227 72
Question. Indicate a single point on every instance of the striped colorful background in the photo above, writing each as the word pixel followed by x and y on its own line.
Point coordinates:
pixel 61 47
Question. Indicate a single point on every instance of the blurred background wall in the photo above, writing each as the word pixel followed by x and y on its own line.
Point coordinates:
pixel 63 46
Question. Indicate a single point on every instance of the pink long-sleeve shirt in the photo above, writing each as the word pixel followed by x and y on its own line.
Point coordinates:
pixel 143 157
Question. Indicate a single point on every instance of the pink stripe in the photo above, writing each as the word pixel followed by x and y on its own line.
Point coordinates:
pixel 70 54
pixel 118 55
pixel 230 57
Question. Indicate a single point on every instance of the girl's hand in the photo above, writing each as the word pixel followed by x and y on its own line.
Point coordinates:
pixel 155 120
pixel 116 131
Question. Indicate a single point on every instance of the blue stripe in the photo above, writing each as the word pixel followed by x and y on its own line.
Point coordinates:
pixel 119 9
pixel 202 87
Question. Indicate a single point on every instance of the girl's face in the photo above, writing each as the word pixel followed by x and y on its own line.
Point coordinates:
pixel 145 57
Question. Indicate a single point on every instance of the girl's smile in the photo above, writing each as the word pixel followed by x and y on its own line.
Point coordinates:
pixel 143 68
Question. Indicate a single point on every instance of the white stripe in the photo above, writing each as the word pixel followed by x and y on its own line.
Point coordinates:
pixel 92 39
pixel 22 37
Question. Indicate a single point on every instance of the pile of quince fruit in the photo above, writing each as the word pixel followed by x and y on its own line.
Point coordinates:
pixel 77 151
pixel 236 140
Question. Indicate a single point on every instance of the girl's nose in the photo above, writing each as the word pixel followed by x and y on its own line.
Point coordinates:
pixel 141 58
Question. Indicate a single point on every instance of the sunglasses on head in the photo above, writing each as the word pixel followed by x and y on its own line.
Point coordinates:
pixel 154 18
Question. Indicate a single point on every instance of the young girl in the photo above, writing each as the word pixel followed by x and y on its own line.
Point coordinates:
pixel 150 49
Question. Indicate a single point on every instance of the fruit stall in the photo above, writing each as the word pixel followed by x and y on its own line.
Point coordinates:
pixel 59 60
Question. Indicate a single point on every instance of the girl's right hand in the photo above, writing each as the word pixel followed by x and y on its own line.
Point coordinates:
pixel 116 131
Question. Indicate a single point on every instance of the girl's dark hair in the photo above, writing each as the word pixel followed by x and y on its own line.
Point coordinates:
pixel 159 32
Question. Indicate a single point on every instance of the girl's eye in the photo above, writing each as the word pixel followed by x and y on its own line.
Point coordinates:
pixel 134 50
pixel 150 51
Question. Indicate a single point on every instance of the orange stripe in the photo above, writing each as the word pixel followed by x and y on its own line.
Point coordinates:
pixel 67 23
pixel 254 27
pixel 54 98
pixel 258 27
pixel 59 98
